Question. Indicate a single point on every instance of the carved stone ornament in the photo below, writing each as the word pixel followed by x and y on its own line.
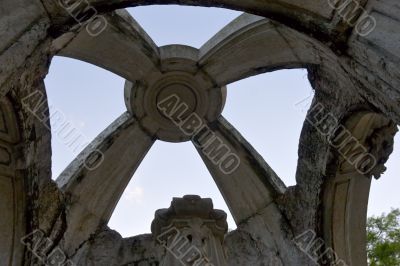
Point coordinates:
pixel 192 232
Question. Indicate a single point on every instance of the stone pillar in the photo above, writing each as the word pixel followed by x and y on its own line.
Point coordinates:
pixel 192 232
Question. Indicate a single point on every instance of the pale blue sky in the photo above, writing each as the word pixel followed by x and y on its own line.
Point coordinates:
pixel 262 108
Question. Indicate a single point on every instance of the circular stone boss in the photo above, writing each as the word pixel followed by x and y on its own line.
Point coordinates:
pixel 164 101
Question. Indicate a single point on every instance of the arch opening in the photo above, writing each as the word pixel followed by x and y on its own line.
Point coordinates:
pixel 83 101
pixel 269 111
pixel 169 170
pixel 184 25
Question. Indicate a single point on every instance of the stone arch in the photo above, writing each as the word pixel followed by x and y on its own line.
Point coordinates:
pixel 248 46
pixel 373 73
pixel 265 44
pixel 12 196
pixel 322 20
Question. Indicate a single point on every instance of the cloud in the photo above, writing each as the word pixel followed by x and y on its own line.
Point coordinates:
pixel 134 194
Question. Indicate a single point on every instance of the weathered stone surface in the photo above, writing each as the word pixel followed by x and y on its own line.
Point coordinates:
pixel 103 162
pixel 191 231
pixel 352 73
pixel 108 248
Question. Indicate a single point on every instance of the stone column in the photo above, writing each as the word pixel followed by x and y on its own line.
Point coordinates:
pixel 192 232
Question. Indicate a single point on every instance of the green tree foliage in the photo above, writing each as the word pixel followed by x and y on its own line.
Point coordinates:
pixel 383 239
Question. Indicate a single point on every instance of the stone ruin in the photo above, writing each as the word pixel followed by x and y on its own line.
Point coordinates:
pixel 192 232
pixel 176 93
